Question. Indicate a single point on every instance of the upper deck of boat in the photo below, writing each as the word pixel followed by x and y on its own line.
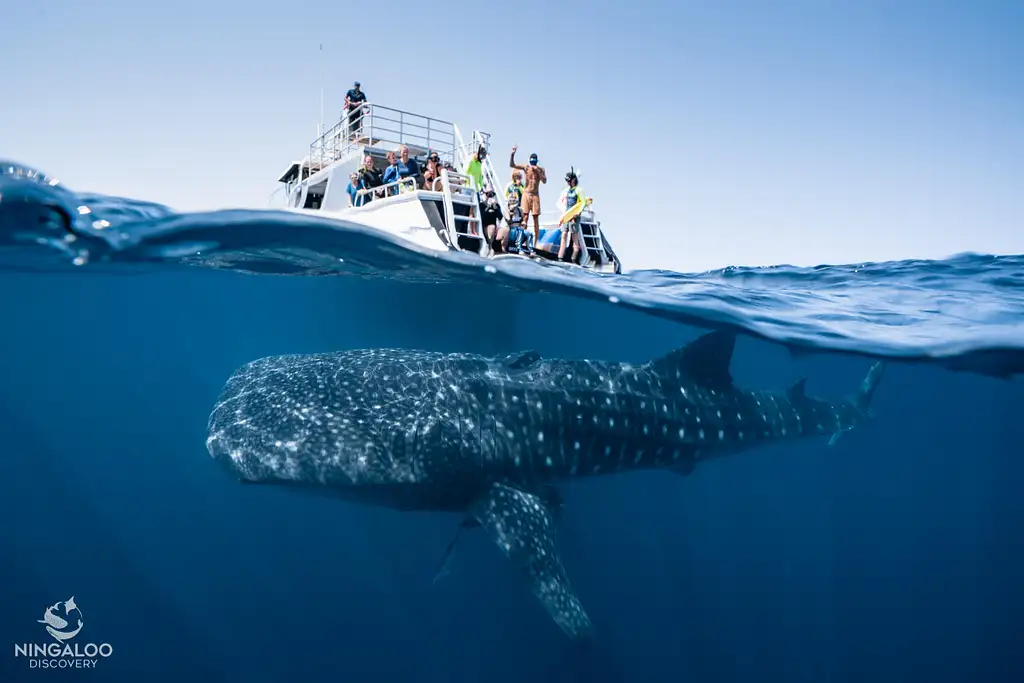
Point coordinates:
pixel 380 129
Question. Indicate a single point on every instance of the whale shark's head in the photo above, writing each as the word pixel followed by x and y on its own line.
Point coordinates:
pixel 363 418
pixel 291 419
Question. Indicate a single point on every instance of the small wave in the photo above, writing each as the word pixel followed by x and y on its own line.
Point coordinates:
pixel 963 313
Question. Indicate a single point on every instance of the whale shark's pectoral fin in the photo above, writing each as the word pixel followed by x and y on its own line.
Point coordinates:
pixel 548 493
pixel 443 567
pixel 524 528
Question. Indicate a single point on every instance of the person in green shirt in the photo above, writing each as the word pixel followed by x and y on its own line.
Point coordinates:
pixel 475 170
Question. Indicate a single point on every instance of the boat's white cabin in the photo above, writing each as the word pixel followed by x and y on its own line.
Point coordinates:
pixel 443 217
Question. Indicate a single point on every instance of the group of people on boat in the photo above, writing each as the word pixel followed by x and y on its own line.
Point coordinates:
pixel 522 196
pixel 505 233
pixel 367 183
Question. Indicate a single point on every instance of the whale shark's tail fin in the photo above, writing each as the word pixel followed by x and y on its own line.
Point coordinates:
pixel 868 386
pixel 522 526
pixel 862 399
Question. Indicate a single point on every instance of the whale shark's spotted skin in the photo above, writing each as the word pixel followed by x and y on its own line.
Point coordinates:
pixel 488 437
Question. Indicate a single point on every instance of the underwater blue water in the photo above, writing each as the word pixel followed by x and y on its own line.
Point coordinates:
pixel 894 555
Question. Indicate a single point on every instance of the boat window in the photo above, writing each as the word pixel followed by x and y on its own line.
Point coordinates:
pixel 313 200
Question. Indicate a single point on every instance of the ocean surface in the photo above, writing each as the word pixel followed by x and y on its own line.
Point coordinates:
pixel 894 555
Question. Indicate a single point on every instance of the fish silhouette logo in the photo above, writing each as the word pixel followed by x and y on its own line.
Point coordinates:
pixel 59 617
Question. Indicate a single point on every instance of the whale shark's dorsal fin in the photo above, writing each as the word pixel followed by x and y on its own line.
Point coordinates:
pixel 798 391
pixel 522 359
pixel 522 526
pixel 705 360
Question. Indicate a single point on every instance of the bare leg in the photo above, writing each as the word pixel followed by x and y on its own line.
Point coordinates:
pixel 577 246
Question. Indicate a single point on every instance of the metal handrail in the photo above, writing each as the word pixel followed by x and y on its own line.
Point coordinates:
pixel 461 183
pixel 397 184
pixel 423 131
pixel 282 190
pixel 489 171
pixel 551 217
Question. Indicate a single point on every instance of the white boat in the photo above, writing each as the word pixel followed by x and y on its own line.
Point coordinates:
pixel 444 220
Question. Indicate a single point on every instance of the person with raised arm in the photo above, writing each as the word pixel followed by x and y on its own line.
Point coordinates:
pixel 535 175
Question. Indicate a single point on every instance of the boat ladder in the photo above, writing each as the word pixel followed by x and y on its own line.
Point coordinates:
pixel 464 224
pixel 593 244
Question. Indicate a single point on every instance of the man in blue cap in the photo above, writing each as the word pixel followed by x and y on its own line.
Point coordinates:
pixel 354 100
pixel 535 175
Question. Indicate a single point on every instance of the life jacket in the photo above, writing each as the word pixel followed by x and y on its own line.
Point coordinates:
pixel 514 194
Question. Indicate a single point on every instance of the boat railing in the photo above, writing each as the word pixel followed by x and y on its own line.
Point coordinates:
pixel 590 233
pixel 461 185
pixel 379 124
pixel 551 218
pixel 490 172
pixel 279 198
pixel 392 189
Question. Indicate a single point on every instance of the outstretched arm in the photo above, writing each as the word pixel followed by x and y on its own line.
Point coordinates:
pixel 512 160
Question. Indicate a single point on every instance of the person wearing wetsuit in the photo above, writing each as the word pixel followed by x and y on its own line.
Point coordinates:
pixel 369 177
pixel 490 214
pixel 573 195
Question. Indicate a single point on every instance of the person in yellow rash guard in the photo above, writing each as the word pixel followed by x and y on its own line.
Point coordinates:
pixel 572 195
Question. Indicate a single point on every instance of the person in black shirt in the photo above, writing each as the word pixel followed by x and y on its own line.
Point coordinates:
pixel 369 177
pixel 354 100
pixel 490 214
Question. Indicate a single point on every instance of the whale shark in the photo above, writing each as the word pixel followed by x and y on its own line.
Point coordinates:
pixel 490 438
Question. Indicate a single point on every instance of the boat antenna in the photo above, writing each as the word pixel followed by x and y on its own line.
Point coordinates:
pixel 321 128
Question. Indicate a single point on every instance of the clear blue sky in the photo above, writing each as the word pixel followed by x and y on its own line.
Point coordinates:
pixel 709 133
